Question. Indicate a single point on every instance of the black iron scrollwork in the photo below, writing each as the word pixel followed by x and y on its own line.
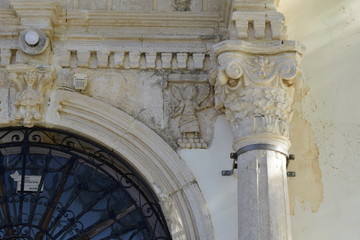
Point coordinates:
pixel 56 185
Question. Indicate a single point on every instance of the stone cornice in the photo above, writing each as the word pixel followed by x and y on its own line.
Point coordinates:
pixel 98 17
pixel 266 48
pixel 37 14
pixel 141 25
pixel 253 4
pixel 82 24
pixel 79 55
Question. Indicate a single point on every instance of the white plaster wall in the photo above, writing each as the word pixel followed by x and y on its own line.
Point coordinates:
pixel 219 192
pixel 330 30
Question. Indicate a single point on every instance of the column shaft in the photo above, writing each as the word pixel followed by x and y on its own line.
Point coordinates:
pixel 263 196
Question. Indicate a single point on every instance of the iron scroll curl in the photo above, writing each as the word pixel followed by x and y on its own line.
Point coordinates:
pixel 57 185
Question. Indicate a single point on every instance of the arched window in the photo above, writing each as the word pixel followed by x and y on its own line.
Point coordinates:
pixel 56 185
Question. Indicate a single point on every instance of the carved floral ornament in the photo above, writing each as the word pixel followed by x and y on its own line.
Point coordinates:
pixel 256 88
pixel 31 84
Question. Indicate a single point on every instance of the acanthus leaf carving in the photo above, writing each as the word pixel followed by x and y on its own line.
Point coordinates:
pixel 31 84
pixel 256 92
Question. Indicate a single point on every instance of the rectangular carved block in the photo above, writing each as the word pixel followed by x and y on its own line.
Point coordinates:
pixel 259 26
pixel 102 58
pixel 83 58
pixel 166 60
pixel 181 60
pixel 4 103
pixel 118 59
pixel 64 58
pixel 5 56
pixel 150 60
pixel 134 59
pixel 198 60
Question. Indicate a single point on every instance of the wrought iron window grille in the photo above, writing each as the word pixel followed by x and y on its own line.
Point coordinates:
pixel 57 185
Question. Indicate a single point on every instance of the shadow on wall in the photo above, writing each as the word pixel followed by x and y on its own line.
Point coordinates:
pixel 306 188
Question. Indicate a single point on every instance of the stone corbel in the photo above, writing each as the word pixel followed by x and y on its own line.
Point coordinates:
pixel 255 86
pixel 31 84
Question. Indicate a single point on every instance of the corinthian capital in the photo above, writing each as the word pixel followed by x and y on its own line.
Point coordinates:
pixel 255 86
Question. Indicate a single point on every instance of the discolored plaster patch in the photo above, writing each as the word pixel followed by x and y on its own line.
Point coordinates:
pixel 307 187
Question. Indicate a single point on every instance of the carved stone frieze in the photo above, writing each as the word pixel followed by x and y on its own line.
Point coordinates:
pixel 187 99
pixel 256 90
pixel 31 84
pixel 182 5
pixel 190 100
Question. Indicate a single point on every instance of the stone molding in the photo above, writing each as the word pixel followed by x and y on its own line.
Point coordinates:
pixel 37 14
pixel 31 84
pixel 136 59
pixel 254 4
pixel 135 24
pixel 255 86
pixel 267 25
pixel 5 56
pixel 179 194
pixel 133 5
pixel 85 24
pixel 133 59
pixel 140 5
pixel 256 20
pixel 180 197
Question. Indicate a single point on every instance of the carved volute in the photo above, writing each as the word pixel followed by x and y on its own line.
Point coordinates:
pixel 255 86
pixel 254 81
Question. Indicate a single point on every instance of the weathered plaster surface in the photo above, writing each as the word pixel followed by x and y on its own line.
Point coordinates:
pixel 330 31
pixel 306 188
pixel 220 192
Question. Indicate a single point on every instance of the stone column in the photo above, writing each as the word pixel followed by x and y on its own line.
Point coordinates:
pixel 256 75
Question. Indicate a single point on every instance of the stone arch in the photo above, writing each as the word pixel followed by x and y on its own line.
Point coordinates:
pixel 180 197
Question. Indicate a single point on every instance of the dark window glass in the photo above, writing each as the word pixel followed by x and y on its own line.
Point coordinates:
pixel 54 185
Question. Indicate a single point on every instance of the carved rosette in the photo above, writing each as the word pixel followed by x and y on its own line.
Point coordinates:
pixel 254 84
pixel 31 84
